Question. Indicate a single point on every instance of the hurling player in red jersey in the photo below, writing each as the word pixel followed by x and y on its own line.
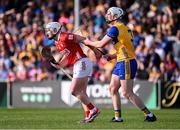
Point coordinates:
pixel 68 45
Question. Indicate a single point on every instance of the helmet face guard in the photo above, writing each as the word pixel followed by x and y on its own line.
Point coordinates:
pixel 115 12
pixel 51 29
pixel 49 34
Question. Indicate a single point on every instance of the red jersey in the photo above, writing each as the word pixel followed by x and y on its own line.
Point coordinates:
pixel 73 50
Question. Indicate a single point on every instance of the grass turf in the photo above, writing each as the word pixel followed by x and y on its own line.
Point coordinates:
pixel 69 118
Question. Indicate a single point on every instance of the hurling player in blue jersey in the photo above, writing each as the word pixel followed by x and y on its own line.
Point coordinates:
pixel 125 69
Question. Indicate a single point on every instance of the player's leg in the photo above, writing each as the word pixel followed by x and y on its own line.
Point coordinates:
pixel 85 108
pixel 127 91
pixel 77 85
pixel 127 81
pixel 86 113
pixel 82 70
pixel 113 88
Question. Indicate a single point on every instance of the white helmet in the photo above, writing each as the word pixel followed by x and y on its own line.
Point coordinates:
pixel 52 28
pixel 115 12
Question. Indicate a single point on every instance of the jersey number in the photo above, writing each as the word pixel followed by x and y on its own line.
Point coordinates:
pixel 83 65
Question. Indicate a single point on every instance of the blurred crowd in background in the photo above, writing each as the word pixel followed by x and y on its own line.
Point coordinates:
pixel 155 24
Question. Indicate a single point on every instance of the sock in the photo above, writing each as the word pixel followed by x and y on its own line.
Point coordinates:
pixel 87 114
pixel 146 111
pixel 90 106
pixel 117 114
pixel 150 114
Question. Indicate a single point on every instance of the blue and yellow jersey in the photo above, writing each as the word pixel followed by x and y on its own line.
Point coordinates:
pixel 122 40
pixel 126 65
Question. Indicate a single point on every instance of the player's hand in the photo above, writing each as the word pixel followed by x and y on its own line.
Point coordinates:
pixel 86 41
pixel 98 53
pixel 55 64
pixel 107 57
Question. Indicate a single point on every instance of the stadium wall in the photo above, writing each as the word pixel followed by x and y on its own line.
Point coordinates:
pixel 3 94
pixel 56 94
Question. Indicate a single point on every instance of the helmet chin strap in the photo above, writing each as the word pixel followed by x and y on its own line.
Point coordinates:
pixel 107 21
pixel 54 36
pixel 51 38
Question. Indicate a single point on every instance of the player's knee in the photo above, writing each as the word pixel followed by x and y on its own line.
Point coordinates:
pixel 112 90
pixel 73 92
pixel 126 94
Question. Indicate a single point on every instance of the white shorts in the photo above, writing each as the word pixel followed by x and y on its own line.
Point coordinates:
pixel 82 68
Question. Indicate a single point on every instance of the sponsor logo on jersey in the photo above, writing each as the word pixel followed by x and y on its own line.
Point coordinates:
pixel 70 37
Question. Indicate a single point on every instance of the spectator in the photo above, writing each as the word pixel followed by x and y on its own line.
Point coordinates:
pixel 154 60
pixel 170 65
pixel 176 48
pixel 21 72
pixel 176 75
pixel 3 72
pixel 154 74
pixel 155 26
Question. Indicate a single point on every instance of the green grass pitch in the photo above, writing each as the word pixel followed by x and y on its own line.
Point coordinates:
pixel 68 118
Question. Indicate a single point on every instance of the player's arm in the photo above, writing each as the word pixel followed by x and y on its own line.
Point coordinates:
pixel 110 36
pixel 106 39
pixel 79 38
pixel 62 62
pixel 74 38
pixel 109 57
pixel 97 52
